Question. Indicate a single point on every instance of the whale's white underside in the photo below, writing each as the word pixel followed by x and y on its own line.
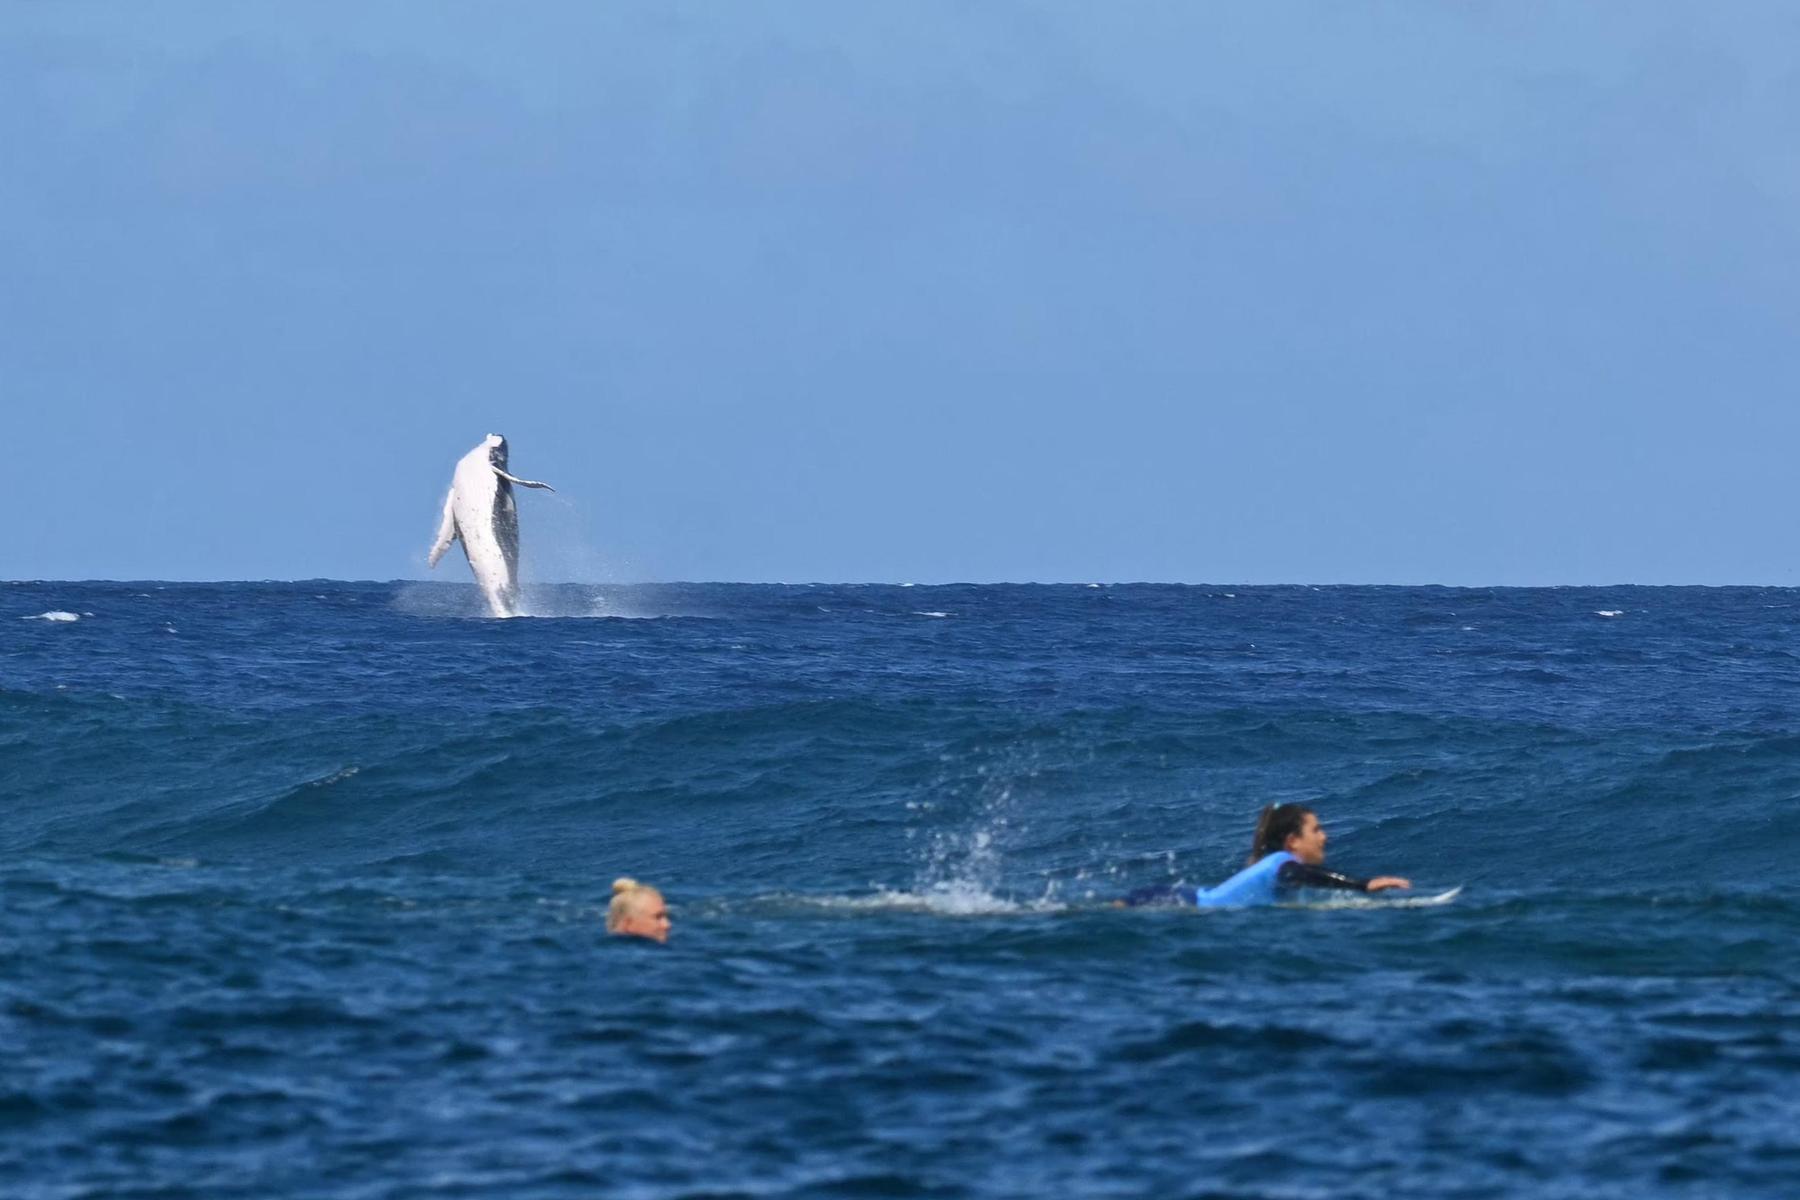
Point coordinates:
pixel 479 511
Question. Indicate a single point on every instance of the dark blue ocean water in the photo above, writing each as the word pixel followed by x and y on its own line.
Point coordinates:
pixel 301 889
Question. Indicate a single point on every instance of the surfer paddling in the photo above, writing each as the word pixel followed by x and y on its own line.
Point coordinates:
pixel 1287 855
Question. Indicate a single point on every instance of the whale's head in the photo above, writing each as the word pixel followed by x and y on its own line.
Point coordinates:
pixel 496 448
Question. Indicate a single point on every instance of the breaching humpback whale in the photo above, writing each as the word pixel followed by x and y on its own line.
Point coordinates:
pixel 480 511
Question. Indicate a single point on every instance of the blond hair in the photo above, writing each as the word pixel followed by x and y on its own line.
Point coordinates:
pixel 627 892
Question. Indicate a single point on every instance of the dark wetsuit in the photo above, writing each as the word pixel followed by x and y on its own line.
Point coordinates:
pixel 1296 875
pixel 1263 882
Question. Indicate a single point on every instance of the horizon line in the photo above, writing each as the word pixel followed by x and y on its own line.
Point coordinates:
pixel 1078 583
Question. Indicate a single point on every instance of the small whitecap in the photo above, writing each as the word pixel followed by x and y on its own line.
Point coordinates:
pixel 957 898
pixel 931 614
pixel 53 615
pixel 1609 612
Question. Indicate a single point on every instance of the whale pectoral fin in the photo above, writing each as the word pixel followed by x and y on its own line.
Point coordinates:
pixel 446 530
pixel 437 550
pixel 531 483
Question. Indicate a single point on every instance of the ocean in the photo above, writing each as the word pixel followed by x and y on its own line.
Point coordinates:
pixel 302 889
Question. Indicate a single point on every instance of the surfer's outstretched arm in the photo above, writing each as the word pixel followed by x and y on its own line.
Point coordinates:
pixel 446 530
pixel 1297 874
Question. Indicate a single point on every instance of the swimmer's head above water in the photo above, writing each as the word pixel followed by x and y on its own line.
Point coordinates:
pixel 1295 828
pixel 637 911
pixel 1291 827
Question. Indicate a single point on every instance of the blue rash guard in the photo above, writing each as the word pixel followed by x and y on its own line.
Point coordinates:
pixel 1257 883
pixel 1264 881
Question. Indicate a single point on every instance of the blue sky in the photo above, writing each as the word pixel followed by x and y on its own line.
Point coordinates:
pixel 1301 292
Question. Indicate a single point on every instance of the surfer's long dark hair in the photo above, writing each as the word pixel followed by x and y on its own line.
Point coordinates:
pixel 1277 823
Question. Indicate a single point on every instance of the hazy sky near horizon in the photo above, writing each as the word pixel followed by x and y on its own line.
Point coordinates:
pixel 1466 293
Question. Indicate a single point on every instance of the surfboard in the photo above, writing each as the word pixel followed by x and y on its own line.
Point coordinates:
pixel 1430 901
pixel 1380 900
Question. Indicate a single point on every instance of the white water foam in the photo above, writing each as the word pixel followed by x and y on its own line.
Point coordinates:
pixel 966 898
pixel 950 898
pixel 53 615
pixel 564 601
pixel 459 601
pixel 1609 612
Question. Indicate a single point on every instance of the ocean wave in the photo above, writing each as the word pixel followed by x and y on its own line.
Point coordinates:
pixel 992 758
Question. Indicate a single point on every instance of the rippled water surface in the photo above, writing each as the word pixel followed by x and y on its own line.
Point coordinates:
pixel 302 890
